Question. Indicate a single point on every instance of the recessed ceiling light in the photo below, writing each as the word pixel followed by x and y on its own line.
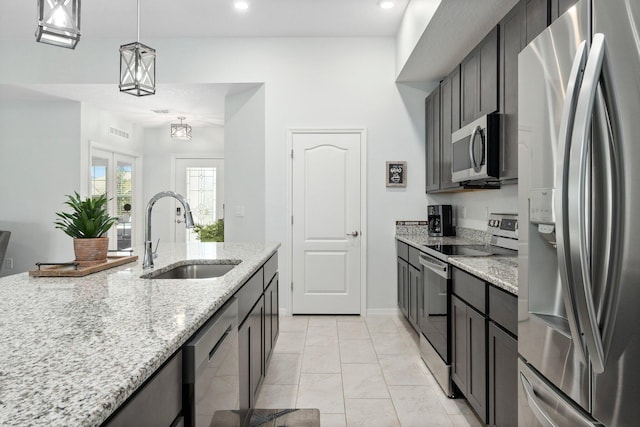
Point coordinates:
pixel 386 4
pixel 241 4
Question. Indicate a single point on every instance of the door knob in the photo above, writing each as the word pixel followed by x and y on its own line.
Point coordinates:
pixel 354 234
pixel 179 221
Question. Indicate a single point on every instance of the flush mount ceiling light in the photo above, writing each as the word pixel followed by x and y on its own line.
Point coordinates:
pixel 241 5
pixel 181 130
pixel 386 4
pixel 137 67
pixel 59 22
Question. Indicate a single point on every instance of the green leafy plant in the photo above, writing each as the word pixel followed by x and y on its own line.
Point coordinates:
pixel 210 233
pixel 89 218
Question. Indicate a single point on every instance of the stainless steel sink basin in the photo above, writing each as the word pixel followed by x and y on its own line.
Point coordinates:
pixel 193 271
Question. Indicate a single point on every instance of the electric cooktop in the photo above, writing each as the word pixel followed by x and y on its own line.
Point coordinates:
pixel 470 250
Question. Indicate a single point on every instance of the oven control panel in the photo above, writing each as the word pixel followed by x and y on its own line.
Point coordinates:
pixel 504 225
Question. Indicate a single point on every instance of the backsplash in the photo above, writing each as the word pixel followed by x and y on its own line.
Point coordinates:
pixel 419 228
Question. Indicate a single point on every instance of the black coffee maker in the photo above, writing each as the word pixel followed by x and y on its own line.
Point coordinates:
pixel 440 220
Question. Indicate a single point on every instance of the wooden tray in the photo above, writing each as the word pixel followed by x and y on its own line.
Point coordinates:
pixel 69 271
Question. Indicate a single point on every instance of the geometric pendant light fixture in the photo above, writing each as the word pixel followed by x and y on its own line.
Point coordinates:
pixel 137 67
pixel 59 22
pixel 181 130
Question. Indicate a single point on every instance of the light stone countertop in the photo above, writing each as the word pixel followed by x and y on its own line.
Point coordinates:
pixel 74 349
pixel 498 270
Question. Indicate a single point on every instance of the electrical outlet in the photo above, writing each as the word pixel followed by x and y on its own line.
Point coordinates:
pixel 8 263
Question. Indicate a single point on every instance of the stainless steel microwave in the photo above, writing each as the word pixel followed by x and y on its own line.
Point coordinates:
pixel 475 150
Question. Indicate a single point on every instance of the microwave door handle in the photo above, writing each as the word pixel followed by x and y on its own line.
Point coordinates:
pixel 472 142
pixel 560 197
pixel 578 171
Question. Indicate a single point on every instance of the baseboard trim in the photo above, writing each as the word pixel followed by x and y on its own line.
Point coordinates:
pixel 382 312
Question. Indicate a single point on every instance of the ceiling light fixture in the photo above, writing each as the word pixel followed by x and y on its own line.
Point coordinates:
pixel 137 67
pixel 59 22
pixel 181 130
pixel 241 4
pixel 386 4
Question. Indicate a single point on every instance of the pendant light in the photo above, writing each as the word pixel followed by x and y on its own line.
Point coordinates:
pixel 59 22
pixel 137 67
pixel 181 130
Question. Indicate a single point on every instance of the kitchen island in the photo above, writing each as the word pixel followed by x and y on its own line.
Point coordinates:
pixel 74 349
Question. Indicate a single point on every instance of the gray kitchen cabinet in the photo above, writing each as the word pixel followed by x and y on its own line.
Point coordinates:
pixel 503 383
pixel 479 79
pixel 484 348
pixel 558 7
pixel 156 403
pixel 403 277
pixel 449 122
pixel 537 13
pixel 414 295
pixel 512 41
pixel 271 321
pixel 469 346
pixel 432 140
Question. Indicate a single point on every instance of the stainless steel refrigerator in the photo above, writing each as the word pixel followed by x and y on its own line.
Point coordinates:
pixel 579 203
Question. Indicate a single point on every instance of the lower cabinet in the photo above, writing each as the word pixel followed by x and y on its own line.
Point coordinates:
pixel 503 380
pixel 158 402
pixel 469 349
pixel 485 348
pixel 271 321
pixel 403 286
pixel 414 295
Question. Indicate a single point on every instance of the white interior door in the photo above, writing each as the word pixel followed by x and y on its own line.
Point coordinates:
pixel 201 182
pixel 326 229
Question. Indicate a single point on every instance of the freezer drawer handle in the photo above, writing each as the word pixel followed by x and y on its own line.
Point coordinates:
pixel 540 413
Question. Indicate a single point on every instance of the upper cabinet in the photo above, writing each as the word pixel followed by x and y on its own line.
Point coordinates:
pixel 558 7
pixel 432 140
pixel 536 14
pixel 479 79
pixel 512 29
pixel 449 123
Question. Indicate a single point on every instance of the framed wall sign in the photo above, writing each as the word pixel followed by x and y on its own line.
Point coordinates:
pixel 396 174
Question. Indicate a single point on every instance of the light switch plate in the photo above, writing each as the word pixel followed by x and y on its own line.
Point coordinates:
pixel 239 211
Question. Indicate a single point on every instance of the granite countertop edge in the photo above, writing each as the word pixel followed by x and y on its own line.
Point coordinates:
pixel 35 403
pixel 501 272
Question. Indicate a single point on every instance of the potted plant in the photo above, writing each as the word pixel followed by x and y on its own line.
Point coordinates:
pixel 88 223
pixel 211 232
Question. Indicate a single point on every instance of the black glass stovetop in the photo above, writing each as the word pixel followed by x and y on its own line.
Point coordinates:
pixel 471 250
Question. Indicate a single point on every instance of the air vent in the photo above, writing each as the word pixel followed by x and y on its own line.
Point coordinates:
pixel 119 132
pixel 161 111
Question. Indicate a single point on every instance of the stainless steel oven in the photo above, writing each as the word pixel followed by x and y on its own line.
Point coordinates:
pixel 211 380
pixel 475 150
pixel 434 319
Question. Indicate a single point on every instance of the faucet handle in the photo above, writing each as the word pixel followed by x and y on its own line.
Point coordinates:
pixel 155 251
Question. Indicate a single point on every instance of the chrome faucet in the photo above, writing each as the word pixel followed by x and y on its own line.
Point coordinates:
pixel 149 253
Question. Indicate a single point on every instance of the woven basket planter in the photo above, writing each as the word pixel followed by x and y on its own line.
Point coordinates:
pixel 91 251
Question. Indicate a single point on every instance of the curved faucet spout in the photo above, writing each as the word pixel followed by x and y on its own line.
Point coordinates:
pixel 148 246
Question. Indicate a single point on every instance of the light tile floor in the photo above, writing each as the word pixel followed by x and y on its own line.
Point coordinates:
pixel 359 372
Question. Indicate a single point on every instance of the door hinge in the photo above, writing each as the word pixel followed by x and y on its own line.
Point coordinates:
pixel 292 153
pixel 292 286
pixel 291 219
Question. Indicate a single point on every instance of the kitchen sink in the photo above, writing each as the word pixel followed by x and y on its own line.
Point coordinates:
pixel 193 271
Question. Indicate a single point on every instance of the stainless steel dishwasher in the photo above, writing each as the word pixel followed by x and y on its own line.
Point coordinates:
pixel 210 368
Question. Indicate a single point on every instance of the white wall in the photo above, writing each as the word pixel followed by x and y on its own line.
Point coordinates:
pixel 245 218
pixel 474 206
pixel 39 164
pixel 159 153
pixel 309 83
pixel 414 21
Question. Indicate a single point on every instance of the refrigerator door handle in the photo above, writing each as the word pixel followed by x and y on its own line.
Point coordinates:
pixel 578 170
pixel 532 400
pixel 560 201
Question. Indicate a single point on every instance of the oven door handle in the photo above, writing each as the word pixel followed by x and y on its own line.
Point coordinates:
pixel 438 267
